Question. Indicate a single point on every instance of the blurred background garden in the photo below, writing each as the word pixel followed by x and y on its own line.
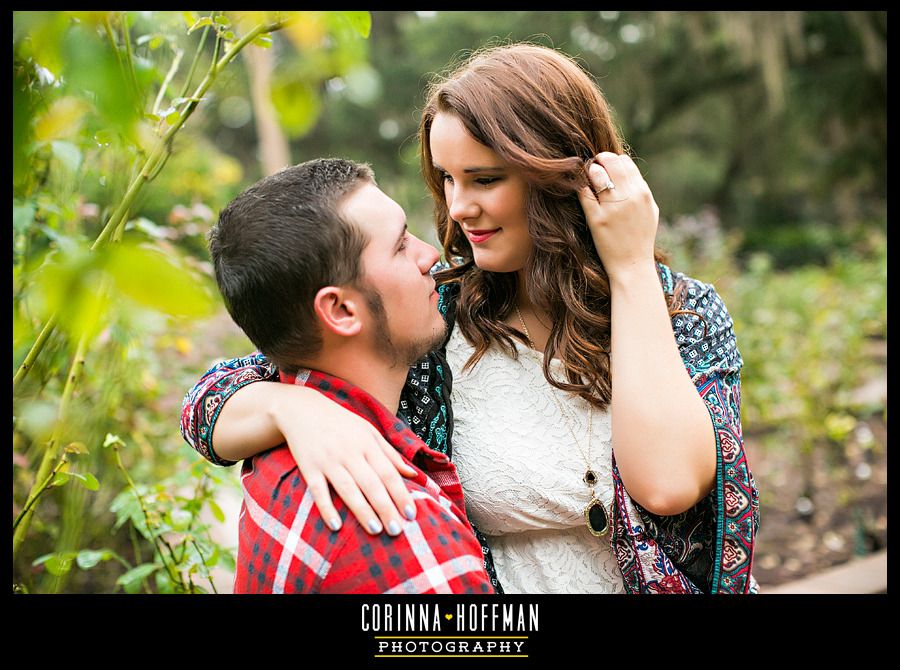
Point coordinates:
pixel 762 135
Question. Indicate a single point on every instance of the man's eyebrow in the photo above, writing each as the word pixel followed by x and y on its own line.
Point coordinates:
pixel 471 170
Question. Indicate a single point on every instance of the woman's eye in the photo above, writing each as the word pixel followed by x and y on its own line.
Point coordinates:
pixel 484 181
pixel 446 178
pixel 402 245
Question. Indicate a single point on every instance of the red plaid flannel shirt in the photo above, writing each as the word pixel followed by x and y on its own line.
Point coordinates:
pixel 285 547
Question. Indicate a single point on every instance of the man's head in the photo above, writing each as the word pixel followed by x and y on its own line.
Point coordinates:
pixel 316 253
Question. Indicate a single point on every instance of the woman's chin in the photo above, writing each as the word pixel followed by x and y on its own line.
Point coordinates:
pixel 490 263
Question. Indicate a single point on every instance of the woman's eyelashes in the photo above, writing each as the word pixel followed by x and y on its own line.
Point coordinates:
pixel 483 181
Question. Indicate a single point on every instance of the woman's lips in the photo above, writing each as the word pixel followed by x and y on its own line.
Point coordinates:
pixel 480 236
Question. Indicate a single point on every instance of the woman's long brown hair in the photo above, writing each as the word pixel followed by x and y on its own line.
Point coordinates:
pixel 544 115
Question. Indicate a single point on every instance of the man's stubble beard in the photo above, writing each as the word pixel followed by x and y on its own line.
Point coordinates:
pixel 404 354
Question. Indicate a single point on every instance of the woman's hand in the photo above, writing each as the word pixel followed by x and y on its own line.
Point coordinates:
pixel 330 444
pixel 335 446
pixel 621 214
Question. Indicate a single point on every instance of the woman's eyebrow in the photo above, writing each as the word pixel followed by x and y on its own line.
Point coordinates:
pixel 471 170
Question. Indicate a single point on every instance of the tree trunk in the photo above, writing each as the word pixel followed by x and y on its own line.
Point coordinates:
pixel 274 152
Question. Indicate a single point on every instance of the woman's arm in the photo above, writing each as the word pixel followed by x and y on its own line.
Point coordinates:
pixel 663 436
pixel 331 445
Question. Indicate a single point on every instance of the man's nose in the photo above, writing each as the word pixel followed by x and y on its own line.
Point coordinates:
pixel 428 256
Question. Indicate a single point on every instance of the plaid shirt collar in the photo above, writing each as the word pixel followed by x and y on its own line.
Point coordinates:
pixel 353 398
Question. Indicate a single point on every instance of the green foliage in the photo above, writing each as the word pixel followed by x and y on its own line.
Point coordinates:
pixel 113 192
pixel 804 334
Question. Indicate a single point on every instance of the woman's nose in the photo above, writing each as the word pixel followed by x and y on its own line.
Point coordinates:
pixel 460 206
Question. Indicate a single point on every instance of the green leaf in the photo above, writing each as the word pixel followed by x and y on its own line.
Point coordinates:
pixel 264 41
pixel 213 558
pixel 227 559
pixel 112 439
pixel 131 580
pixel 199 23
pixel 68 155
pixel 104 138
pixel 151 279
pixel 127 508
pixel 88 558
pixel 60 478
pixel 57 563
pixel 360 21
pixel 88 480
pixel 23 217
pixel 216 510
pixel 181 520
pixel 298 106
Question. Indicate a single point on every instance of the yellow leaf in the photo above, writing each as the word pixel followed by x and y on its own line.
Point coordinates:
pixel 76 448
pixel 307 31
pixel 183 345
pixel 63 119
pixel 227 171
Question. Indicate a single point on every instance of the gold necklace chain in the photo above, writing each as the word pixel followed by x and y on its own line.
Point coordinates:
pixel 595 513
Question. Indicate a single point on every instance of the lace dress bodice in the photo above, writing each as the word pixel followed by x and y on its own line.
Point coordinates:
pixel 522 474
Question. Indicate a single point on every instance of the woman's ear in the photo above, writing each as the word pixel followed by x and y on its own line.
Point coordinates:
pixel 338 311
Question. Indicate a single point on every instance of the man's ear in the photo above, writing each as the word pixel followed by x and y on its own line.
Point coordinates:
pixel 337 309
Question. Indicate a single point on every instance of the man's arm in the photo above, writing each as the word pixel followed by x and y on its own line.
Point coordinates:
pixel 227 416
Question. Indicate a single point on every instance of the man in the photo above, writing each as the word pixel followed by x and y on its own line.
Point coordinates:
pixel 316 265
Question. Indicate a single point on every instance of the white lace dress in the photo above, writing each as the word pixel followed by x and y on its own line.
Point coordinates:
pixel 522 474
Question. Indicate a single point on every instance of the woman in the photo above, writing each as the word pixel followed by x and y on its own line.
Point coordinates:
pixel 553 290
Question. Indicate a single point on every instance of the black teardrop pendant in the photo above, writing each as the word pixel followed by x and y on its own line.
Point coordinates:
pixel 597 519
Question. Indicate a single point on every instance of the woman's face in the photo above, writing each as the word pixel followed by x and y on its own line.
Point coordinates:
pixel 485 196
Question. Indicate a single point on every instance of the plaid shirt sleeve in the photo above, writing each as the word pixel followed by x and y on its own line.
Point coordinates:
pixel 285 547
pixel 202 404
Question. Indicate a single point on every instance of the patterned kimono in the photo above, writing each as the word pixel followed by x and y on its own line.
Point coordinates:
pixel 707 549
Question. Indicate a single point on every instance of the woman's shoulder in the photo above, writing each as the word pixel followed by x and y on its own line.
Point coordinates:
pixel 691 293
pixel 703 327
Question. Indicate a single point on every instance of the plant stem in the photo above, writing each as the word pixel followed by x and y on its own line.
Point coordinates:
pixel 53 446
pixel 190 75
pixel 156 539
pixel 168 80
pixel 126 36
pixel 206 572
pixel 35 351
pixel 32 497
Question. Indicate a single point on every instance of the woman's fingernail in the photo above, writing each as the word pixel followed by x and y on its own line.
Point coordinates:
pixel 410 511
pixel 374 526
pixel 335 524
pixel 393 528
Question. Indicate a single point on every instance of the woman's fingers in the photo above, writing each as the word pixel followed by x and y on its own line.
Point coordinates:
pixel 347 486
pixel 390 474
pixel 318 488
pixel 600 180
pixel 620 212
